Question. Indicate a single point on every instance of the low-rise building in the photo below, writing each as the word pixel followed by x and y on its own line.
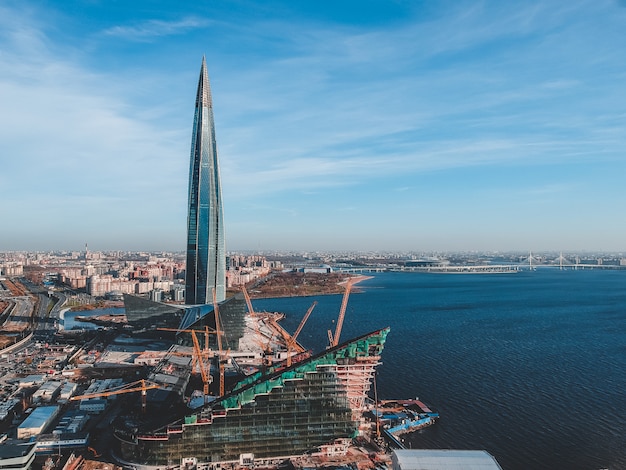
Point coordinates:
pixel 31 380
pixel 442 459
pixel 47 392
pixel 17 455
pixel 93 405
pixel 67 391
pixel 37 421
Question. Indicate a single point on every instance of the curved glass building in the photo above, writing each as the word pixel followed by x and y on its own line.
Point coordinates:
pixel 206 252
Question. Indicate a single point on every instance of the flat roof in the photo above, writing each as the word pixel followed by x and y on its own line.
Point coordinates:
pixel 444 459
pixel 39 417
pixel 16 448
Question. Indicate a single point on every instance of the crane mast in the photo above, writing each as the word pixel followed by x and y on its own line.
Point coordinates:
pixel 219 343
pixel 203 373
pixel 198 355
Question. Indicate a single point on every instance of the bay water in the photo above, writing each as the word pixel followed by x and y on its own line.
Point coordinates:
pixel 69 321
pixel 529 366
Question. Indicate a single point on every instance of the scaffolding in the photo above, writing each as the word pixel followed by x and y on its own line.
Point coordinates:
pixel 287 411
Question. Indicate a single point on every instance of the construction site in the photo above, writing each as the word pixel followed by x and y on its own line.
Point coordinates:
pixel 212 386
pixel 273 399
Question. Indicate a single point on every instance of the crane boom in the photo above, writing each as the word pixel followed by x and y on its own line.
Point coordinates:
pixel 291 342
pixel 127 388
pixel 342 314
pixel 304 319
pixel 198 355
pixel 248 301
pixel 143 387
pixel 207 331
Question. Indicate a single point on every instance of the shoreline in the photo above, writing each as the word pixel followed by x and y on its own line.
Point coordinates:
pixel 355 280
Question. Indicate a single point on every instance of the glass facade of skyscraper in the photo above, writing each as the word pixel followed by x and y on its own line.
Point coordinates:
pixel 206 252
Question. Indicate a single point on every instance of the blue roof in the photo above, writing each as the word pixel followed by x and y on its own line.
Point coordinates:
pixel 39 417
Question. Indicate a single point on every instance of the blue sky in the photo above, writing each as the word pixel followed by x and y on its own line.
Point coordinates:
pixel 347 125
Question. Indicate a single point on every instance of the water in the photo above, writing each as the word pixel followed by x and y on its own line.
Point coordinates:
pixel 530 366
pixel 69 321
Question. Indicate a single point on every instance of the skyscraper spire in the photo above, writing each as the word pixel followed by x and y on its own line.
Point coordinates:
pixel 204 88
pixel 206 253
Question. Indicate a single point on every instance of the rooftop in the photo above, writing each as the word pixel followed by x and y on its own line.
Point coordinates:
pixel 444 460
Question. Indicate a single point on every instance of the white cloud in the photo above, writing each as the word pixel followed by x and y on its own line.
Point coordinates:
pixel 147 30
pixel 303 108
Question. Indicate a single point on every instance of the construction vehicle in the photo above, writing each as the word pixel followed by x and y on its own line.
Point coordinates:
pixel 95 453
pixel 139 386
pixel 333 339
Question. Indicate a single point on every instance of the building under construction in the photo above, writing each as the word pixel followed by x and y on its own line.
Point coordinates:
pixel 279 412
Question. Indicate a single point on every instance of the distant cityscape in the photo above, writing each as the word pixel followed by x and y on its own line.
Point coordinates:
pixel 160 275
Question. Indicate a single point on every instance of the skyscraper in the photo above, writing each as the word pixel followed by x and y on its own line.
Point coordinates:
pixel 206 252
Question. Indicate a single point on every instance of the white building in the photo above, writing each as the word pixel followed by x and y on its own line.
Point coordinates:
pixel 445 459
pixel 17 455
pixel 47 392
pixel 67 391
pixel 31 381
pixel 37 421
pixel 93 405
pixel 98 405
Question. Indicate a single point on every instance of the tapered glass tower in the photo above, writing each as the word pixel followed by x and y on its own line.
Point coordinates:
pixel 206 253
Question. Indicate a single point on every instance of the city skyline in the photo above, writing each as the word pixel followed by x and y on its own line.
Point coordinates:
pixel 426 126
pixel 205 271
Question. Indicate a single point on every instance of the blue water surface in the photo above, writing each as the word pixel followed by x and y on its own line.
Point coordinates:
pixel 529 366
pixel 69 322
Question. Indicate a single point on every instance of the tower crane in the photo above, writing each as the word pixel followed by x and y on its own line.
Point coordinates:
pixel 206 377
pixel 141 385
pixel 291 341
pixel 264 341
pixel 221 360
pixel 334 339
pixel 199 356
pixel 265 347
pixel 207 331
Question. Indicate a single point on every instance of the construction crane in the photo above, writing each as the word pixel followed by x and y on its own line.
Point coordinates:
pixel 334 339
pixel 292 342
pixel 248 301
pixel 207 331
pixel 264 342
pixel 141 385
pixel 221 360
pixel 198 356
pixel 265 347
pixel 206 377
